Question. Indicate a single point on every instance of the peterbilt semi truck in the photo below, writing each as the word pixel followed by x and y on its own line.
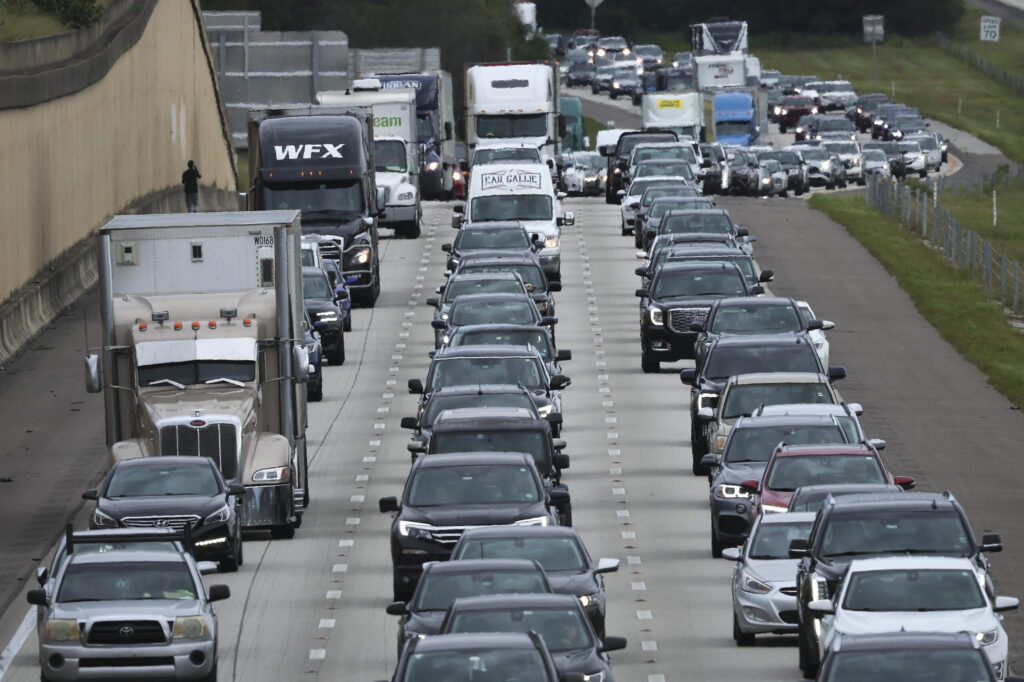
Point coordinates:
pixel 202 351
pixel 320 160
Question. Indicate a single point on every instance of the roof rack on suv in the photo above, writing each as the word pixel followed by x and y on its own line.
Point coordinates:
pixel 141 535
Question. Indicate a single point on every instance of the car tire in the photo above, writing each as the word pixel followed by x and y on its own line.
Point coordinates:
pixel 741 638
pixel 636 101
pixel 829 185
pixel 808 658
pixel 229 565
pixel 625 229
pixel 565 515
pixel 283 532
pixel 698 450
pixel 784 194
pixel 638 238
pixel 647 362
pixel 922 174
pixel 613 94
pixel 782 129
pixel 716 552
pixel 862 182
pixel 337 354
pixel 315 392
pixel 347 324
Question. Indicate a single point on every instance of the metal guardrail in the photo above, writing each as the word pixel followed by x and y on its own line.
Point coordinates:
pixel 983 64
pixel 964 248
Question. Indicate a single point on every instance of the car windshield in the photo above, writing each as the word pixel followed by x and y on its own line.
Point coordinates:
pixel 913 590
pixel 512 207
pixel 666 204
pixel 530 274
pixel 909 122
pixel 114 581
pixel 909 665
pixel 927 143
pixel 680 152
pixel 724 362
pixel 703 223
pixel 513 440
pixel 590 162
pixel 461 285
pixel 504 154
pixel 313 198
pixel 552 553
pixel 467 664
pixel 502 370
pixel 665 168
pixel 439 403
pixel 492 312
pixel 628 142
pixel 875 156
pixel 912 147
pixel 197 372
pixel 637 187
pixel 721 282
pixel 538 338
pixel 316 287
pixel 755 319
pixel 512 238
pixel 562 629
pixel 771 165
pixel 522 125
pixel 771 540
pixel 743 399
pixel 744 262
pixel 389 156
pixel 926 532
pixel 628 74
pixel 784 158
pixel 437 591
pixel 758 444
pixel 472 484
pixel 787 474
pixel 162 480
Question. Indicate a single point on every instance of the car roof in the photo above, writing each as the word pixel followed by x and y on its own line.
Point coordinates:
pixel 715 249
pixel 491 225
pixel 748 301
pixel 497 274
pixel 500 256
pixel 499 327
pixel 462 299
pixel 824 450
pixel 894 502
pixel 783 420
pixel 789 517
pixel 129 556
pixel 699 211
pixel 485 350
pixel 917 562
pixel 454 459
pixel 461 415
pixel 164 462
pixel 313 270
pixel 478 389
pixel 471 565
pixel 505 602
pixel 852 488
pixel 474 641
pixel 778 378
pixel 796 339
pixel 683 266
pixel 521 531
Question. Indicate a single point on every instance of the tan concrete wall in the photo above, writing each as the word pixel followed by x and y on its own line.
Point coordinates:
pixel 71 163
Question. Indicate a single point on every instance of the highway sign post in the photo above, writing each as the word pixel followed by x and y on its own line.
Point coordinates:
pixel 874 33
pixel 592 4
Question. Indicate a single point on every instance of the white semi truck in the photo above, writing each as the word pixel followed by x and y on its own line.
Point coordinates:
pixel 396 149
pixel 202 351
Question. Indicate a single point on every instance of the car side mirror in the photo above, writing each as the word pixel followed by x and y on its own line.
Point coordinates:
pixel 905 482
pixel 613 643
pixel 742 232
pixel 688 376
pixel 558 496
pixel 836 372
pixel 218 593
pixel 554 418
pixel 731 553
pixel 415 386
pixel 569 219
pixel 561 460
pixel 877 443
pixel 821 607
pixel 641 255
pixel 459 209
pixel 607 565
pixel 621 193
pixel 397 608
pixel 828 324
pixel 409 423
pixel 416 446
pixel 757 289
pixel 642 293
pixel 640 272
pixel 1005 604
pixel 446 247
pixel 558 382
pixel 235 489
pixel 36 596
pixel 438 324
pixel 93 381
pixel 300 362
pixel 798 548
pixel 456 221
pixel 433 301
pixel 605 150
pixel 90 495
pixel 388 504
pixel 554 287
pixel 856 408
pixel 991 542
pixel 563 355
pixel 813 324
pixel 766 276
pixel 558 443
pixel 548 321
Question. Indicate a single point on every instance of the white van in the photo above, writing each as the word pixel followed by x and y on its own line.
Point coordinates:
pixel 523 192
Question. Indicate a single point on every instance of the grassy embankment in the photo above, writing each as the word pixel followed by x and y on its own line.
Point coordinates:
pixel 955 304
pixel 21 20
pixel 591 126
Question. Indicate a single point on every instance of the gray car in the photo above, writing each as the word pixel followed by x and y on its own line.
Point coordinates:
pixel 126 605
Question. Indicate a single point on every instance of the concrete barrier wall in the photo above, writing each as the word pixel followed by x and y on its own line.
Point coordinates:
pixel 119 145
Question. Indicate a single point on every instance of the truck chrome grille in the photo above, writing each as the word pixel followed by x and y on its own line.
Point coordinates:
pixel 680 319
pixel 175 522
pixel 447 535
pixel 219 442
pixel 127 632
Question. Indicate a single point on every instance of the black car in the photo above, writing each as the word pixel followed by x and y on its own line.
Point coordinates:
pixel 750 445
pixel 809 498
pixel 472 309
pixel 558 618
pixel 311 340
pixel 503 429
pixel 527 266
pixel 443 582
pixel 325 310
pixel 172 492
pixel 796 170
pixel 646 227
pixel 580 73
pixel 514 335
pixel 744 176
pixel 680 253
pixel 465 657
pixel 445 494
pixel 618 157
pixel 733 355
pixel 744 316
pixel 647 192
pixel 495 235
pixel 626 83
pixel 863 110
pixel 559 550
pixel 908 656
pixel 695 221
pixel 830 128
pixel 474 395
pixel 878 524
pixel 902 126
pixel 472 283
pixel 883 114
pixel 681 294
pixel 652 56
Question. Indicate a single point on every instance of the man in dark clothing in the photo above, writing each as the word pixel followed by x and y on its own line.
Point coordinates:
pixel 190 178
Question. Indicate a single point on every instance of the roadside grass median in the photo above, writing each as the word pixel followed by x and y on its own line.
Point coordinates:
pixel 1006 53
pixel 950 299
pixel 21 20
pixel 591 126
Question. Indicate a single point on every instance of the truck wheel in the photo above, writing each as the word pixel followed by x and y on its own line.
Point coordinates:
pixel 409 230
pixel 565 515
pixel 647 362
pixel 782 129
pixel 282 532
pixel 315 392
pixel 613 94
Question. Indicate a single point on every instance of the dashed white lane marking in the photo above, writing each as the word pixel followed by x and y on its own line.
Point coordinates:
pixel 645 615
pixel 623 514
pixel 604 389
pixel 618 491
pixel 383 410
pixel 608 403
pixel 629 535
pixel 612 435
pixel 352 521
pixel 362 477
pixel 655 678
pixel 391 382
pixel 600 363
pixel 387 396
pixel 326 623
pixel 357 498
pixel 317 654
pixel 333 594
pixel 615 471
pixel 374 443
pixel 369 458
pixel 611 420
pixel 346 543
pixel 339 568
pixel 638 587
pixel 633 560
pixel 18 641
pixel 614 452
pixel 380 426
pixel 649 645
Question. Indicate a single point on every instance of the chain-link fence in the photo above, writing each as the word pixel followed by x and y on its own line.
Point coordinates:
pixel 983 64
pixel 913 208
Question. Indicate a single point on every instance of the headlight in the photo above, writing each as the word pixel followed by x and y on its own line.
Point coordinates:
pixel 730 491
pixel 826 165
pixel 101 520
pixel 189 627
pixel 272 474
pixel 601 52
pixel 656 316
pixel 362 257
pixel 327 316
pixel 444 316
pixel 615 84
pixel 749 583
pixel 456 175
pixel 535 521
pixel 433 165
pixel 545 410
pixel 798 129
pixel 814 110
pixel 616 171
pixel 590 178
pixel 779 111
pixel 897 133
pixel 659 60
pixel 773 509
pixel 418 531
pixel 877 122
pixel 625 51
pixel 61 630
pixel 766 181
pixel 675 65
pixel 856 161
pixel 986 638
pixel 588 599
pixel 222 514
pixel 704 399
pixel 551 243
pixel 594 677
pixel 405 196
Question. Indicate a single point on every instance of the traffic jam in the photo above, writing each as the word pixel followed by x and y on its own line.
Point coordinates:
pixel 863 575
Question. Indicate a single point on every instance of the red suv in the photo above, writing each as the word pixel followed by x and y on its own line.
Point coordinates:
pixel 794 466
pixel 792 108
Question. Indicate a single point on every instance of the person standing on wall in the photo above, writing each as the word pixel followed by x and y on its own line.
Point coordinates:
pixel 190 178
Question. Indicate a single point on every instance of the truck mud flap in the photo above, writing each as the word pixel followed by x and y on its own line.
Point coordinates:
pixel 264 506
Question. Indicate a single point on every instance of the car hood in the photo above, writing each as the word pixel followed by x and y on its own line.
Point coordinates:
pixel 578 661
pixel 692 301
pixel 127 609
pixel 164 505
pixel 475 514
pixel 567 582
pixel 858 622
pixel 316 305
pixel 781 572
pixel 424 622
pixel 741 471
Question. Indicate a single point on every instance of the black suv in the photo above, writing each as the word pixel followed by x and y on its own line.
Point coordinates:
pixel 498 235
pixel 733 355
pixel 445 494
pixel 706 252
pixel 324 306
pixel 503 429
pixel 744 316
pixel 858 526
pixel 681 294
pixel 473 395
pixel 470 309
pixel 526 265
pixel 618 158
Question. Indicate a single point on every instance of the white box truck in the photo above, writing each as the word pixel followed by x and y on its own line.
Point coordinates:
pixel 716 72
pixel 202 351
pixel 680 112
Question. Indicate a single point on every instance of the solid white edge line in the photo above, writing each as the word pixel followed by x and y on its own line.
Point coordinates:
pixel 18 641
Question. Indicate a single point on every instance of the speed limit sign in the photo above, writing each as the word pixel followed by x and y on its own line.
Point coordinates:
pixel 990 29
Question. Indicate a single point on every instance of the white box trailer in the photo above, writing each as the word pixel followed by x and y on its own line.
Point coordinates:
pixel 715 72
pixel 681 112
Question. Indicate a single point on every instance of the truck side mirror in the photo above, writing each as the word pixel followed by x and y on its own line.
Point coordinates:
pixel 382 198
pixel 563 355
pixel 448 132
pixel 301 364
pixel 569 219
pixel 605 150
pixel 91 495
pixel 409 423
pixel 561 460
pixel 742 232
pixel 93 383
pixel 415 386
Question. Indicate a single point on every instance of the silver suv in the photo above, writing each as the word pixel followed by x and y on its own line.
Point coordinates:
pixel 125 604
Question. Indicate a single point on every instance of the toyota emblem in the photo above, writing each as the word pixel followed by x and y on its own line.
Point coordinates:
pixel 126 632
